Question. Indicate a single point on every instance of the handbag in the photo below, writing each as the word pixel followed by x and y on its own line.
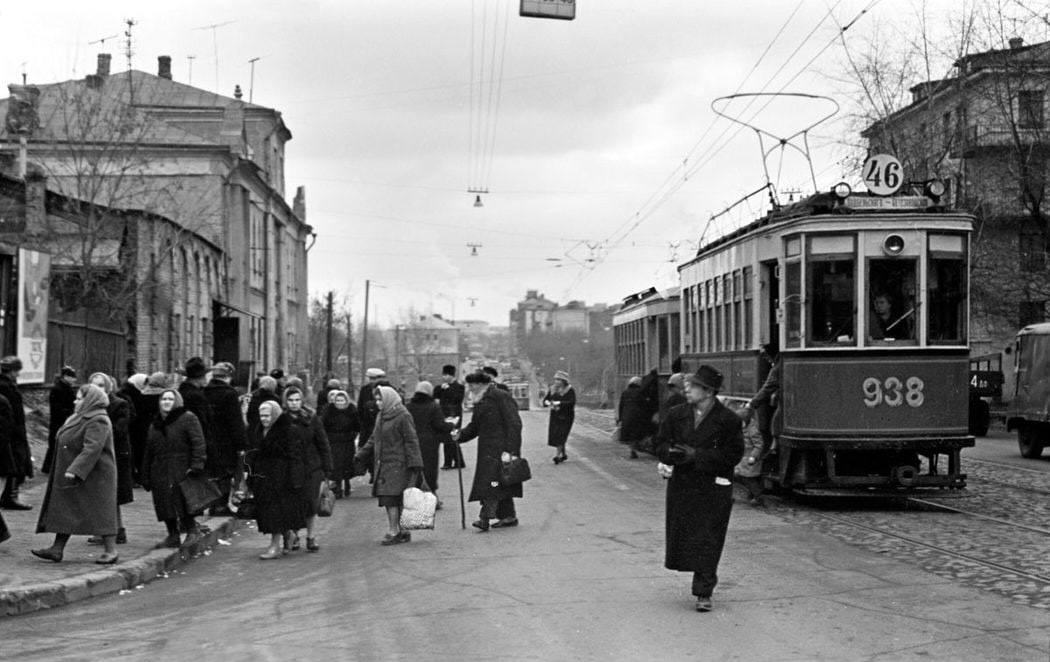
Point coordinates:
pixel 199 493
pixel 419 509
pixel 326 502
pixel 514 471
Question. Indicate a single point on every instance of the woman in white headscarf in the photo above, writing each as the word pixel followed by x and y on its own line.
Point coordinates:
pixel 81 496
pixel 277 474
pixel 393 450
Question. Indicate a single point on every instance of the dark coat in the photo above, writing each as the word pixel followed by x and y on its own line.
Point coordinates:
pixel 120 413
pixel 197 404
pixel 497 425
pixel 342 427
pixel 19 442
pixel 228 434
pixel 60 400
pixel 8 466
pixel 692 490
pixel 450 397
pixel 394 448
pixel 174 446
pixel 672 401
pixel 276 477
pixel 633 415
pixel 88 504
pixel 432 429
pixel 259 396
pixel 367 410
pixel 317 456
pixel 563 414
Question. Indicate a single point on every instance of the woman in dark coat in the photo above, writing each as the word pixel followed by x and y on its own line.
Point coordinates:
pixel 632 416
pixel 342 426
pixel 703 441
pixel 60 407
pixel 317 458
pixel 120 413
pixel 138 424
pixel 81 488
pixel 396 461
pixel 8 465
pixel 561 398
pixel 276 474
pixel 431 428
pixel 175 448
pixel 267 392
pixel 497 426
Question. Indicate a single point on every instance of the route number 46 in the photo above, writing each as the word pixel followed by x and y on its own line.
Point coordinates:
pixel 893 393
pixel 883 174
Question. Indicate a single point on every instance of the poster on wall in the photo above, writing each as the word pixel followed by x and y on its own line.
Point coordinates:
pixel 34 272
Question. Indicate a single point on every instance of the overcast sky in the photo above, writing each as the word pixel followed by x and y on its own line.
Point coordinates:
pixel 594 115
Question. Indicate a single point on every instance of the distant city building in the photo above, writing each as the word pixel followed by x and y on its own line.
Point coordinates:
pixel 423 346
pixel 538 314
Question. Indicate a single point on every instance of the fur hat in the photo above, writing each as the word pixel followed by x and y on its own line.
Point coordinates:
pixel 156 384
pixel 9 363
pixel 707 377
pixel 449 370
pixel 277 373
pixel 195 368
pixel 223 369
pixel 68 371
pixel 489 370
pixel 478 377
pixel 562 375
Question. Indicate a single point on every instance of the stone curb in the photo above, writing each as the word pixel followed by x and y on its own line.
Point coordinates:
pixel 124 575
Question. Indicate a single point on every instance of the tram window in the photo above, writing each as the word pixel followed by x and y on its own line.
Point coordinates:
pixel 831 302
pixel 946 298
pixel 893 306
pixel 793 303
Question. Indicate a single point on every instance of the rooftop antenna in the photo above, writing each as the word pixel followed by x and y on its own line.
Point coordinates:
pixel 214 27
pixel 251 84
pixel 478 192
pixel 474 249
pixel 472 300
pixel 24 72
pixel 102 40
pixel 128 52
pixel 191 58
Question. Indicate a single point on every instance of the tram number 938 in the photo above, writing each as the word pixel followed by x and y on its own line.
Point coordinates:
pixel 892 392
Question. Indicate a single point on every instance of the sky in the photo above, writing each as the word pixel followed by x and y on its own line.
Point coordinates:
pixel 595 138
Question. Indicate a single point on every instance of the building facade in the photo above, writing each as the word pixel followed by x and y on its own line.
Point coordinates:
pixel 231 247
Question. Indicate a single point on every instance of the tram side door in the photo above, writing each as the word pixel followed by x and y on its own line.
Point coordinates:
pixel 771 281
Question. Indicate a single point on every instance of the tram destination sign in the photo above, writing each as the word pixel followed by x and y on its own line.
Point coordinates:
pixel 559 9
pixel 897 202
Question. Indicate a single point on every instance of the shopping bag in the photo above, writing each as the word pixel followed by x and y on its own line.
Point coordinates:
pixel 514 471
pixel 199 493
pixel 419 509
pixel 326 502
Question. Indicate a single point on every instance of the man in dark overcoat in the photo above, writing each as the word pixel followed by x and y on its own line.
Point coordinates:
pixel 497 426
pixel 703 441
pixel 8 467
pixel 10 367
pixel 632 417
pixel 450 394
pixel 228 436
pixel 60 401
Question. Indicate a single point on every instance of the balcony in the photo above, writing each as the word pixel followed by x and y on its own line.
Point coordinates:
pixel 980 137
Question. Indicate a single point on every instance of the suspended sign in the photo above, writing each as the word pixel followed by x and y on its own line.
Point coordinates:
pixel 883 174
pixel 34 273
pixel 561 9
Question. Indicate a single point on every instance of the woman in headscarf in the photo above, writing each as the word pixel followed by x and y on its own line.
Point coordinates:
pixel 431 428
pixel 561 398
pixel 396 460
pixel 317 458
pixel 81 488
pixel 120 414
pixel 138 424
pixel 342 426
pixel 276 474
pixel 174 449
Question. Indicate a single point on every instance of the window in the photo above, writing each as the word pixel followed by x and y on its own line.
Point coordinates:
pixel 893 305
pixel 793 303
pixel 946 128
pixel 831 293
pixel 1031 312
pixel 1030 109
pixel 946 290
pixel 748 312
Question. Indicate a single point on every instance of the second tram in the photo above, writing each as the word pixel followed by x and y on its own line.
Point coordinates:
pixel 867 299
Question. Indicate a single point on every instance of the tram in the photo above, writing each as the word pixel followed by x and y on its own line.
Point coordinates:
pixel 522 394
pixel 867 299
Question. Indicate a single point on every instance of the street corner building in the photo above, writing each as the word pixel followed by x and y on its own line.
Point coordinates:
pixel 159 209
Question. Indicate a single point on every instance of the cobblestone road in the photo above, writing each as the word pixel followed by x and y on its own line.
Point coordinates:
pixel 938 541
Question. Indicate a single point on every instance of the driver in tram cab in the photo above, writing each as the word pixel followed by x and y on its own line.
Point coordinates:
pixel 882 324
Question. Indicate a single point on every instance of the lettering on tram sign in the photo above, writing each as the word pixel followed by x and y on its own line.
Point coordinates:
pixel 560 9
pixel 856 202
pixel 883 174
pixel 892 392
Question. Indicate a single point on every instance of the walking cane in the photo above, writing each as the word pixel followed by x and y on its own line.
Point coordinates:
pixel 462 504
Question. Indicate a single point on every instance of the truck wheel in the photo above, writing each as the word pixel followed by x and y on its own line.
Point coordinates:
pixel 1029 441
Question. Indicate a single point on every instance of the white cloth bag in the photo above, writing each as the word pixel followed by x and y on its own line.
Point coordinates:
pixel 419 509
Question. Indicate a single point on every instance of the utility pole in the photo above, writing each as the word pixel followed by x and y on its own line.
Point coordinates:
pixel 328 336
pixel 349 355
pixel 364 334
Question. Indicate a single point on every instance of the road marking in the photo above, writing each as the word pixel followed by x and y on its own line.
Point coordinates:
pixel 613 480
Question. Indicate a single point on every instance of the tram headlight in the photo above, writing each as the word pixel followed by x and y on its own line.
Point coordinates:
pixel 893 245
pixel 935 188
pixel 842 190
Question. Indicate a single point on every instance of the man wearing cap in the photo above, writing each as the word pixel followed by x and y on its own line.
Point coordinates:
pixel 492 372
pixel 367 408
pixel 228 435
pixel 60 400
pixel 10 366
pixel 703 441
pixel 449 394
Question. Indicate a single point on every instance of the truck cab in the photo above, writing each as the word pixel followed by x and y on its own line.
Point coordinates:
pixel 1029 412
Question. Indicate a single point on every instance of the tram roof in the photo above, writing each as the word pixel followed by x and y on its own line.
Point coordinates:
pixel 1041 329
pixel 830 206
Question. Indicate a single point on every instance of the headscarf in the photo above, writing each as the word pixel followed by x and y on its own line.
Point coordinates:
pixel 268 383
pixel 93 401
pixel 634 381
pixel 274 409
pixel 332 395
pixel 111 385
pixel 426 388
pixel 390 404
pixel 179 404
pixel 138 380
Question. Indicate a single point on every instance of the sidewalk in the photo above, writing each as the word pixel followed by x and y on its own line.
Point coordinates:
pixel 28 583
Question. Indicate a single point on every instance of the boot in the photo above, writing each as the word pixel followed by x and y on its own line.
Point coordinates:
pixel 10 499
pixel 346 487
